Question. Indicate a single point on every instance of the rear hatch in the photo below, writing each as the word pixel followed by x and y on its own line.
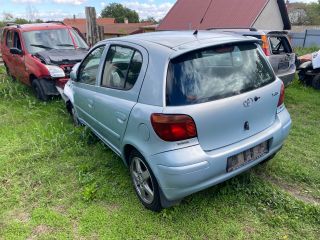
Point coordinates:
pixel 230 92
pixel 282 57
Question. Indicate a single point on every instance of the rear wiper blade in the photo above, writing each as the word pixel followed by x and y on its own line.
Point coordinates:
pixel 41 46
pixel 65 45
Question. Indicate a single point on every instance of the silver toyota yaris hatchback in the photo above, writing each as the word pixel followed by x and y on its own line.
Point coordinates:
pixel 183 111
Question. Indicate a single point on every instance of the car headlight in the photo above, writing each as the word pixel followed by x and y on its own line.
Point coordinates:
pixel 55 71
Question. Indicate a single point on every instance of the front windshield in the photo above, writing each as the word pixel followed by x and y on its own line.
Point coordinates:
pixel 78 40
pixel 37 41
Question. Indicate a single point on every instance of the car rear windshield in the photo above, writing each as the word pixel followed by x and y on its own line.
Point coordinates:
pixel 215 73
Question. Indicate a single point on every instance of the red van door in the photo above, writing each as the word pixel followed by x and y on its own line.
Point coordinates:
pixel 19 59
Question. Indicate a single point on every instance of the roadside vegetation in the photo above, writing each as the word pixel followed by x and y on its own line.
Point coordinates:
pixel 58 181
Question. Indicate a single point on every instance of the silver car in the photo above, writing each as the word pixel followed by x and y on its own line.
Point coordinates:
pixel 183 111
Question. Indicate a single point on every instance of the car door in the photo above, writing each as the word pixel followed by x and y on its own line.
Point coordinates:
pixel 282 57
pixel 7 56
pixel 18 61
pixel 122 76
pixel 85 85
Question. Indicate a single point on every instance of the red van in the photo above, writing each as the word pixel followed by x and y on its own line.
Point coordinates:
pixel 42 55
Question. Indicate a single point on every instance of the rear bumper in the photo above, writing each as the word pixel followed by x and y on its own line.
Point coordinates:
pixel 287 78
pixel 192 170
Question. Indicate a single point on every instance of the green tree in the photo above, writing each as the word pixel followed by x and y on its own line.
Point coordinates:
pixel 21 21
pixel 120 13
pixel 150 19
pixel 313 10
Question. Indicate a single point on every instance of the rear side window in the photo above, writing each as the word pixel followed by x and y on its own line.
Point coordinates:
pixel 3 34
pixel 279 45
pixel 9 39
pixel 122 68
pixel 216 73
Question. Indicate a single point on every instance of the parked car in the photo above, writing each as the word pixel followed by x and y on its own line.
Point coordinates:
pixel 308 70
pixel 184 112
pixel 42 55
pixel 277 47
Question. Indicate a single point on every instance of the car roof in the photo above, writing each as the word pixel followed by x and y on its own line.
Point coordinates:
pixel 177 40
pixel 37 26
pixel 251 31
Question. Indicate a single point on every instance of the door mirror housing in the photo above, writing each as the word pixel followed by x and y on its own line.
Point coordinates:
pixel 16 51
pixel 74 72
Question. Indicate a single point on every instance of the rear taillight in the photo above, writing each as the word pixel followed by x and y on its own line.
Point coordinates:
pixel 173 128
pixel 281 99
pixel 265 45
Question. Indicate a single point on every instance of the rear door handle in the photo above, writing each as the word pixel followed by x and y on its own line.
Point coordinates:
pixel 121 117
pixel 90 103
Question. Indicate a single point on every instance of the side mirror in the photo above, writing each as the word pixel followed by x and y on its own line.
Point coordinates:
pixel 16 51
pixel 73 74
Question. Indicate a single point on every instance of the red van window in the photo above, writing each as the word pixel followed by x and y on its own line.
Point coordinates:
pixel 16 41
pixel 9 39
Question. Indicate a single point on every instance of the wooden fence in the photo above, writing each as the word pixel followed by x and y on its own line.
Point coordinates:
pixel 1 61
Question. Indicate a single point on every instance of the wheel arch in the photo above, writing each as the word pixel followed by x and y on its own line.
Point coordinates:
pixel 128 148
pixel 31 78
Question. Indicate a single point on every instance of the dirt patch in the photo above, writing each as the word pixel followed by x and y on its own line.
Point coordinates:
pixel 19 215
pixel 295 191
pixel 60 209
pixel 249 229
pixel 40 230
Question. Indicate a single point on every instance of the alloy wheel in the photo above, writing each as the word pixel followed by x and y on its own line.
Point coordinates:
pixel 142 180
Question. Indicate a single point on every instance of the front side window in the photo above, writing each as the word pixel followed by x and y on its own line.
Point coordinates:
pixel 215 73
pixel 16 41
pixel 122 68
pixel 37 41
pixel 89 68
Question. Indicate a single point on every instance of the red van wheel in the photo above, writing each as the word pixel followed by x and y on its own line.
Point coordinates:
pixel 39 91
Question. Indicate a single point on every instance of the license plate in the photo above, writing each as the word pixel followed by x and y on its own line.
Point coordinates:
pixel 283 65
pixel 241 159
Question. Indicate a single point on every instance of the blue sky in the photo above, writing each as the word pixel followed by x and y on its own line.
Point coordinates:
pixel 59 9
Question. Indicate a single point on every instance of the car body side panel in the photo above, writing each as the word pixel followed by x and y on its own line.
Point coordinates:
pixel 141 135
pixel 152 90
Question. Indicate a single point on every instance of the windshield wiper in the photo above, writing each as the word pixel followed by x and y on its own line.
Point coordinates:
pixel 65 45
pixel 82 48
pixel 41 46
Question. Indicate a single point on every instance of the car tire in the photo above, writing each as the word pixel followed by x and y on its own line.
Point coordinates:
pixel 73 114
pixel 144 182
pixel 316 82
pixel 39 91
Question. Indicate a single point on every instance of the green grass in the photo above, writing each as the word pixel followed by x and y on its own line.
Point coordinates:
pixel 57 182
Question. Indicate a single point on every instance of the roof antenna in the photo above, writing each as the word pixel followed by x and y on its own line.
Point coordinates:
pixel 205 13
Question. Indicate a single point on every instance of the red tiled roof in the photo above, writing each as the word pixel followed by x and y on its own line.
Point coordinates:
pixel 80 23
pixel 124 28
pixel 187 14
pixel 110 27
